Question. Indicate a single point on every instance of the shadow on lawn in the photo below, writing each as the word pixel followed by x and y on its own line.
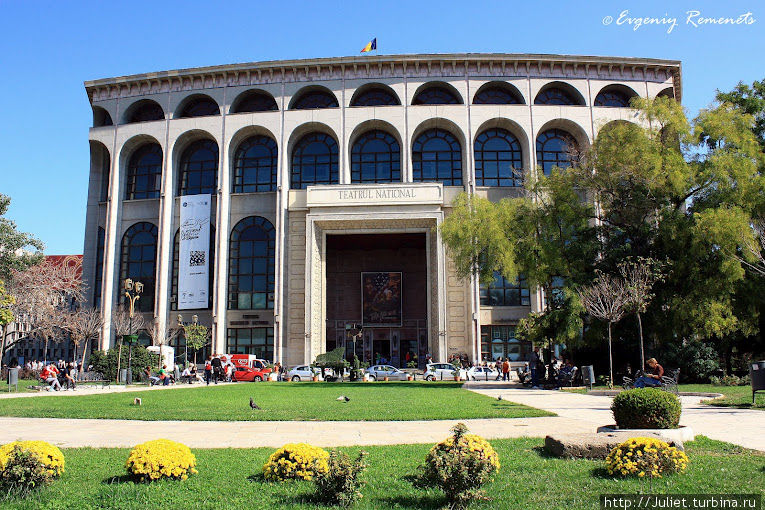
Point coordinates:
pixel 542 452
pixel 112 480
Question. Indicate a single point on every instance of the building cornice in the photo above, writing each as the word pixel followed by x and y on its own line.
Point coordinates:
pixel 382 66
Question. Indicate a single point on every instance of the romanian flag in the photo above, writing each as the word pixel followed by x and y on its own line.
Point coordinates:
pixel 371 45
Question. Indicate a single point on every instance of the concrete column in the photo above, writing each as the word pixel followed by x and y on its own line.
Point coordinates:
pixel 220 297
pixel 111 248
pixel 282 192
pixel 164 250
pixel 443 351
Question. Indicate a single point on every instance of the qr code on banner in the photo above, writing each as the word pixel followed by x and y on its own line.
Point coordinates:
pixel 197 258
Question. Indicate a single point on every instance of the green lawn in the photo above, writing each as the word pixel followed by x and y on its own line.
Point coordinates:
pixel 280 401
pixel 528 479
pixel 734 396
pixel 23 384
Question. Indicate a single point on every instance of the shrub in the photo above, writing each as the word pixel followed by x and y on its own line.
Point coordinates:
pixel 696 359
pixel 161 458
pixel 50 456
pixel 296 460
pixel 646 408
pixel 459 466
pixel 106 362
pixel 341 484
pixel 730 380
pixel 645 456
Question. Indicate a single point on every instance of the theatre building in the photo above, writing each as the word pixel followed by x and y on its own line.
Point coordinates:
pixel 280 202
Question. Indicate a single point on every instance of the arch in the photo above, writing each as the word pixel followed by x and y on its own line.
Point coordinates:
pixel 145 110
pixel 100 162
pixel 144 172
pixel 436 92
pixel 668 92
pixel 251 101
pixel 198 168
pixel 615 96
pixel 251 264
pixel 498 92
pixel 138 261
pixel 314 160
pixel 312 98
pixel 437 157
pixel 556 147
pixel 559 93
pixel 197 105
pixel 101 117
pixel 255 165
pixel 176 266
pixel 498 158
pixel 375 157
pixel 375 94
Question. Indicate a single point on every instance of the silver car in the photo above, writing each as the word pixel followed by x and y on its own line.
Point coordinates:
pixel 380 372
pixel 303 373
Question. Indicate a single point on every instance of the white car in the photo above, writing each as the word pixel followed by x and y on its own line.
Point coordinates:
pixel 303 373
pixel 380 372
pixel 482 374
pixel 441 371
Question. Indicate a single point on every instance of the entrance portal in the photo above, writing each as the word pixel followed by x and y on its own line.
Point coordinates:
pixel 379 281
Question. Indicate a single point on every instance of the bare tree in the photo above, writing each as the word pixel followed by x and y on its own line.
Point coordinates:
pixel 639 276
pixel 606 299
pixel 124 325
pixel 161 336
pixel 84 325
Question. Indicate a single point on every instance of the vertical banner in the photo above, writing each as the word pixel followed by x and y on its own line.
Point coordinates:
pixel 194 253
pixel 381 299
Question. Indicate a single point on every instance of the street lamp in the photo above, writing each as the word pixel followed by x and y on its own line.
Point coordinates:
pixel 133 292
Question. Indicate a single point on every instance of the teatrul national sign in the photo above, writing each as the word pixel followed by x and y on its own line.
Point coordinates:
pixel 194 253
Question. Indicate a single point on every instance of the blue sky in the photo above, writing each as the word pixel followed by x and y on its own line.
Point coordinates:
pixel 47 50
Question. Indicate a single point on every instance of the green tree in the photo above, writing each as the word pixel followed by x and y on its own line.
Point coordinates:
pixel 6 303
pixel 196 337
pixel 18 250
pixel 749 100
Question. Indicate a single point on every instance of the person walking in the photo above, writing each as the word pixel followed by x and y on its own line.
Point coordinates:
pixel 208 370
pixel 217 367
pixel 533 360
pixel 506 370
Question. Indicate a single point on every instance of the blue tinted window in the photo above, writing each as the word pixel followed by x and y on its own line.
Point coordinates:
pixel 251 268
pixel 138 262
pixel 314 161
pixel 255 164
pixel 437 157
pixel 498 160
pixel 376 157
pixel 555 147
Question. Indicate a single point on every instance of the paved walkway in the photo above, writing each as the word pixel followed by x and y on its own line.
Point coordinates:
pixel 744 427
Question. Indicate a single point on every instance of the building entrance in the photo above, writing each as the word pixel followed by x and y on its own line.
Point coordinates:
pixel 379 281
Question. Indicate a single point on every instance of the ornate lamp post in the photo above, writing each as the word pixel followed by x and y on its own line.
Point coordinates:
pixel 133 292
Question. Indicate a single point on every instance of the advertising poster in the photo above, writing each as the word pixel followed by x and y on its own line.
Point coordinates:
pixel 381 299
pixel 194 256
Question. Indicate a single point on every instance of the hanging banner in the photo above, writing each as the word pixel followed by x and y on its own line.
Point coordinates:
pixel 194 253
pixel 381 299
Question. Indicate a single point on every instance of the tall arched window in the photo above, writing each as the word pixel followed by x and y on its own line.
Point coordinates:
pixel 144 173
pixel 139 261
pixel 314 161
pixel 176 266
pixel 498 160
pixel 251 265
pixel 254 102
pixel 199 106
pixel 437 157
pixel 255 165
pixel 613 97
pixel 436 94
pixel 145 110
pixel 555 147
pixel 376 157
pixel 556 96
pixel 497 94
pixel 315 99
pixel 375 96
pixel 199 168
pixel 99 273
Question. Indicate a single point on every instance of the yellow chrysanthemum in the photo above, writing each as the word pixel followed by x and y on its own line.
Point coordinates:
pixel 159 459
pixel 643 456
pixel 296 460
pixel 48 454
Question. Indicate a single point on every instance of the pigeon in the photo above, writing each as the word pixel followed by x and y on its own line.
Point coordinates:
pixel 253 405
pixel 343 398
pixel 499 397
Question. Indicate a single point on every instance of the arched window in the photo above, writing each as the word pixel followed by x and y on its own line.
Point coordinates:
pixel 503 292
pixel 557 96
pixel 376 157
pixel 555 147
pixel 375 96
pixel 255 165
pixel 497 94
pixel 436 95
pixel 200 106
pixel 613 97
pixel 315 99
pixel 255 102
pixel 437 157
pixel 199 168
pixel 176 266
pixel 99 273
pixel 314 161
pixel 251 265
pixel 138 262
pixel 144 173
pixel 498 160
pixel 668 92
pixel 145 111
pixel 101 117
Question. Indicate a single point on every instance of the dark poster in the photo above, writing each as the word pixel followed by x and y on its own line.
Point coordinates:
pixel 381 299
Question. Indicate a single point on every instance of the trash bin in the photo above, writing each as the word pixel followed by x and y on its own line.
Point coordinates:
pixel 123 375
pixel 588 375
pixel 757 376
pixel 13 378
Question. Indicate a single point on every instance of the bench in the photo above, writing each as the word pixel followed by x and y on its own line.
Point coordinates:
pixel 669 383
pixel 92 378
pixel 568 379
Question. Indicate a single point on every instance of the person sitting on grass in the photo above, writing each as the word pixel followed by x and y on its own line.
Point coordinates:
pixel 652 379
pixel 49 375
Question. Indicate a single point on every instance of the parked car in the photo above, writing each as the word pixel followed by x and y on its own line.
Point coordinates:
pixel 303 373
pixel 249 374
pixel 439 371
pixel 482 374
pixel 380 372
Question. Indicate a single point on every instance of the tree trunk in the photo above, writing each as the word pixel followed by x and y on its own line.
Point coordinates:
pixel 610 358
pixel 119 358
pixel 3 341
pixel 84 350
pixel 642 350
pixel 45 350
